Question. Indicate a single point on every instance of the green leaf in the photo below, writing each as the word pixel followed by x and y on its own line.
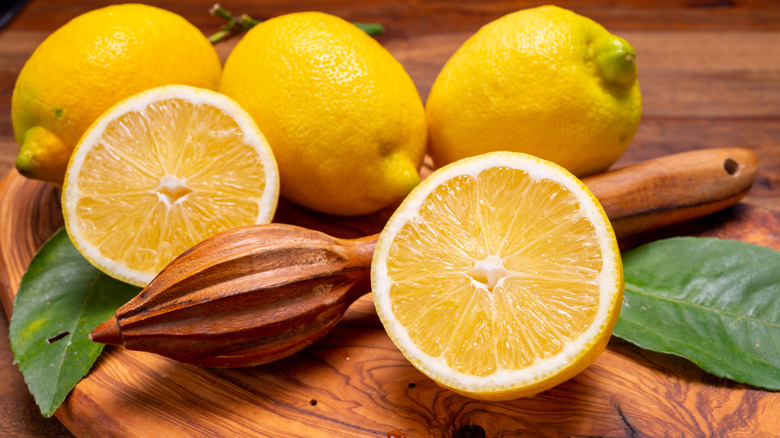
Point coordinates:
pixel 715 302
pixel 61 298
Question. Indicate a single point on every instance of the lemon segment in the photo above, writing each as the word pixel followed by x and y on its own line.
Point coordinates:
pixel 162 171
pixel 499 276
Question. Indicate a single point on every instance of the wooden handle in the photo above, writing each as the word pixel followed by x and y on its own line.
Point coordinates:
pixel 673 189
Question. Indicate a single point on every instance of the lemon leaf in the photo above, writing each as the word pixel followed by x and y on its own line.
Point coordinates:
pixel 61 298
pixel 712 301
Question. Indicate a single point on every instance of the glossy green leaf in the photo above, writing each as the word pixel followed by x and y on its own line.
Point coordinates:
pixel 715 302
pixel 61 298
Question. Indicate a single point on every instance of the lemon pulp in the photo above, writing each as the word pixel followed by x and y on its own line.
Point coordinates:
pixel 498 281
pixel 162 176
pixel 523 248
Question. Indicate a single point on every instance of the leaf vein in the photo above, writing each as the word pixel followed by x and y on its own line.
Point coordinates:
pixel 737 316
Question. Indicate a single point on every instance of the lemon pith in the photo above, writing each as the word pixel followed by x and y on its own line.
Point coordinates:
pixel 160 172
pixel 498 278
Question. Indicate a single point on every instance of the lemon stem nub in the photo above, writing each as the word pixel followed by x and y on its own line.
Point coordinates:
pixel 43 155
pixel 616 60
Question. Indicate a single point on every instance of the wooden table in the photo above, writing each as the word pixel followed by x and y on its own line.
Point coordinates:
pixel 709 72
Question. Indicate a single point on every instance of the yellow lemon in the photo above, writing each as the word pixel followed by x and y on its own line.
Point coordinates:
pixel 499 276
pixel 161 171
pixel 542 81
pixel 91 63
pixel 343 117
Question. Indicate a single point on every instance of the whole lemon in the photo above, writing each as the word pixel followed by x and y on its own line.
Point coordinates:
pixel 543 81
pixel 341 114
pixel 91 63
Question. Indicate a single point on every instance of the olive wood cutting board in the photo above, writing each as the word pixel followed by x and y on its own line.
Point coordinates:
pixel 354 382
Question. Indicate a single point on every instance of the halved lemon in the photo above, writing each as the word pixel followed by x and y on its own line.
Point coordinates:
pixel 161 171
pixel 499 276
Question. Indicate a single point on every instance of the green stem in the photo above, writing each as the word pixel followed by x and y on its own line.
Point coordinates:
pixel 371 28
pixel 238 25
pixel 218 11
pixel 249 21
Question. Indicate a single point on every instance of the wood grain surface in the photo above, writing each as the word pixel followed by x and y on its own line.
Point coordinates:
pixel 710 77
pixel 354 382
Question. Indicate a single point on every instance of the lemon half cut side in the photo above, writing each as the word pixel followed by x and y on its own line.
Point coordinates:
pixel 499 276
pixel 161 171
